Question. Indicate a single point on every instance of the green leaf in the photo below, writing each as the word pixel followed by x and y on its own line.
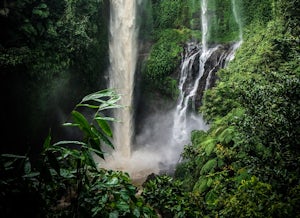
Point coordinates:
pixel 68 151
pixel 31 175
pixel 123 206
pixel 89 160
pixel 201 185
pixel 108 106
pixel 69 142
pixel 99 94
pixel 209 145
pixel 68 174
pixel 136 212
pixel 71 124
pixel 124 195
pixel 88 105
pixel 82 121
pixel 105 139
pixel 114 214
pixel 209 166
pixel 226 135
pixel 98 117
pixel 13 156
pixel 104 126
pixel 209 182
pixel 113 181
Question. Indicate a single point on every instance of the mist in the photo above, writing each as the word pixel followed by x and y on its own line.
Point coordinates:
pixel 155 148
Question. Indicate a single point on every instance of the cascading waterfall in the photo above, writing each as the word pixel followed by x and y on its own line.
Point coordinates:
pixel 189 87
pixel 181 119
pixel 159 144
pixel 123 57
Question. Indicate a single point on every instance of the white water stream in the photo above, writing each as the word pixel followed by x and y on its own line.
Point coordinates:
pixel 123 57
pixel 163 139
pixel 185 116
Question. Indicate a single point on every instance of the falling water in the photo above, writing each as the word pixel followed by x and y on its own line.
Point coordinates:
pixel 159 145
pixel 184 117
pixel 123 56
pixel 181 117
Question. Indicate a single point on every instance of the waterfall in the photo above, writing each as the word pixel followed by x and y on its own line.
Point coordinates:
pixel 181 119
pixel 163 134
pixel 123 56
pixel 210 60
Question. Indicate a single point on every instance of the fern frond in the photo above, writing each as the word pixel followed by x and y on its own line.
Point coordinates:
pixel 209 166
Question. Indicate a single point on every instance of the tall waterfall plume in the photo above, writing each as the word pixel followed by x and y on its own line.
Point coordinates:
pixel 123 56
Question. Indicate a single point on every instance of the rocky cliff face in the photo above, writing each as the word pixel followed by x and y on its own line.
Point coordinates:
pixel 217 59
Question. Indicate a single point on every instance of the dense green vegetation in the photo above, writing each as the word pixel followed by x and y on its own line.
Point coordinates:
pixel 245 165
pixel 51 54
pixel 171 29
pixel 174 23
pixel 66 181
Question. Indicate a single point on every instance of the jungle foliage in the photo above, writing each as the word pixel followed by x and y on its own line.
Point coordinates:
pixel 171 29
pixel 66 181
pixel 46 49
pixel 247 163
pixel 173 24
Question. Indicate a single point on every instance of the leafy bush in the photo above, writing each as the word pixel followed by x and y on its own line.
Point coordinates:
pixel 167 14
pixel 66 181
pixel 167 196
pixel 245 164
pixel 163 61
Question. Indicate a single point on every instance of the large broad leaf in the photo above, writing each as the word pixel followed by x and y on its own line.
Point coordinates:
pixel 102 137
pixel 226 135
pixel 209 145
pixel 68 174
pixel 209 166
pixel 104 126
pixel 201 185
pixel 106 140
pixel 82 121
